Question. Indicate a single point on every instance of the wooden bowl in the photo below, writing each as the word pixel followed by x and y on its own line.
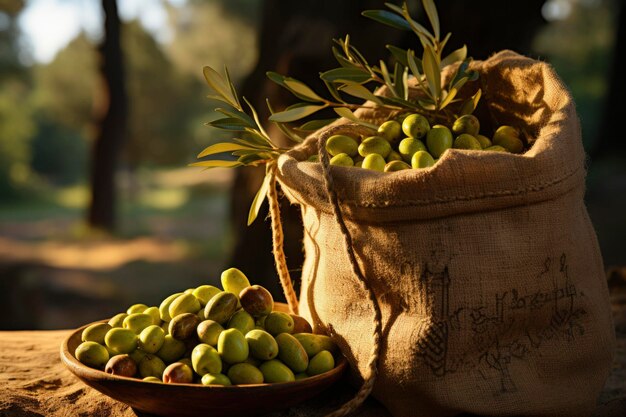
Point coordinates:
pixel 195 399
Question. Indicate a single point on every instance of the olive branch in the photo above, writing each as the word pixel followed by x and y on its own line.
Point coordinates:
pixel 354 79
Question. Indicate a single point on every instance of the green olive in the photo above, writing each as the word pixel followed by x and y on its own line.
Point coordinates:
pixel 394 166
pixel 215 379
pixel 137 322
pixel 151 339
pixel 92 354
pixel 165 306
pixel 205 359
pixel 209 331
pixel 96 333
pixel 234 281
pixel 244 373
pixel 118 320
pixel 467 141
pixel 310 342
pixel 507 130
pixel 496 148
pixel 262 345
pixel 394 156
pixel 232 346
pixel 466 124
pixel 172 349
pixel 278 322
pixel 121 340
pixel 508 142
pixel 275 371
pixel 221 307
pixel 375 162
pixel 241 321
pixel 342 160
pixel 154 313
pixel 438 140
pixel 291 352
pixel 152 379
pixel 408 147
pixel 137 355
pixel 484 141
pixel 338 144
pixel 151 365
pixel 374 145
pixel 422 159
pixel 415 126
pixel 204 293
pixel 185 303
pixel 320 363
pixel 301 375
pixel 136 308
pixel 327 343
pixel 390 130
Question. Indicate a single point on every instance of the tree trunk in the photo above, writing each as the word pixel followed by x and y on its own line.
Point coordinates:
pixel 609 140
pixel 113 123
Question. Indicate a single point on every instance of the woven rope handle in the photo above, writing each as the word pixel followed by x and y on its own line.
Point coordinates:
pixel 278 239
pixel 285 279
pixel 370 379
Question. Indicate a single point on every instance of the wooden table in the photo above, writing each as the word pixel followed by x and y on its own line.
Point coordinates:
pixel 34 382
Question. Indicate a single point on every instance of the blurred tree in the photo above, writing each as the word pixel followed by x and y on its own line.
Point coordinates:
pixel 609 132
pixel 66 90
pixel 295 39
pixel 578 44
pixel 112 123
pixel 10 64
pixel 216 33
pixel 16 124
pixel 163 104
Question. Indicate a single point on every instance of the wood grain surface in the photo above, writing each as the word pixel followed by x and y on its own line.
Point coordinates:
pixel 34 382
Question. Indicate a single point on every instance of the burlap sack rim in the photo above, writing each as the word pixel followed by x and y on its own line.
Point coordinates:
pixel 303 181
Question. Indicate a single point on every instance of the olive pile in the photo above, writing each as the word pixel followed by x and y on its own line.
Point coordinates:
pixel 413 143
pixel 207 335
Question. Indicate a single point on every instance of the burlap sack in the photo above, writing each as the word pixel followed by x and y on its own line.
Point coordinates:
pixel 485 267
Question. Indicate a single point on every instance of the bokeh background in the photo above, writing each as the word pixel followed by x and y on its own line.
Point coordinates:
pixel 98 209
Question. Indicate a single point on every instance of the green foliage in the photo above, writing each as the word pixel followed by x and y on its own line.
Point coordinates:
pixel 16 129
pixel 355 78
pixel 162 109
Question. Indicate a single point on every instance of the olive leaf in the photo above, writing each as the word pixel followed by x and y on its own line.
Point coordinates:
pixel 354 77
pixel 223 147
pixel 349 74
pixel 357 90
pixel 346 113
pixel 432 73
pixel 387 18
pixel 314 125
pixel 216 163
pixel 470 105
pixel 399 54
pixel 295 113
pixel 259 198
pixel 229 123
pixel 433 17
pixel 302 89
pixel 219 85
pixel 458 55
